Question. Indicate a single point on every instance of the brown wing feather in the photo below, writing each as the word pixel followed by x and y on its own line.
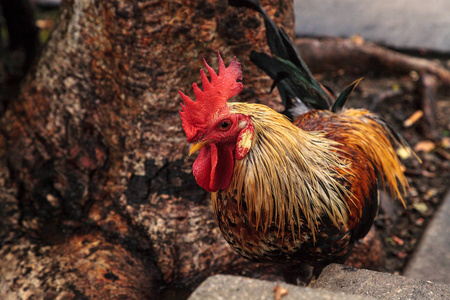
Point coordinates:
pixel 366 144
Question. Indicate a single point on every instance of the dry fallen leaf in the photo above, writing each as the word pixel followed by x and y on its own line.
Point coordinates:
pixel 279 292
pixel 44 24
pixel 445 143
pixel 420 207
pixel 403 152
pixel 396 87
pixel 428 174
pixel 413 118
pixel 424 146
pixel 401 254
pixel 357 39
pixel 420 221
pixel 398 240
pixel 431 193
pixel 414 75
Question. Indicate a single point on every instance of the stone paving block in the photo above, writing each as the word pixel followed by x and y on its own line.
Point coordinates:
pixel 340 278
pixel 407 24
pixel 227 287
pixel 431 261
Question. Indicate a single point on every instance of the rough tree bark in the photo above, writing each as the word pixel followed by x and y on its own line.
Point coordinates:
pixel 97 195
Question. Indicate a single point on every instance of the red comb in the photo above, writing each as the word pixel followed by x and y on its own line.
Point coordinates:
pixel 195 115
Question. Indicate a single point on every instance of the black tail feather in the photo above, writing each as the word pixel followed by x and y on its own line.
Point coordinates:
pixel 342 99
pixel 292 76
pixel 290 82
pixel 298 88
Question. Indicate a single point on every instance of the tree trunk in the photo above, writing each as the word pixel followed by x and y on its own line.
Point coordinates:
pixel 98 197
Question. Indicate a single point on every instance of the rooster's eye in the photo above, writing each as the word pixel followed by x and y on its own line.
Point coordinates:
pixel 225 125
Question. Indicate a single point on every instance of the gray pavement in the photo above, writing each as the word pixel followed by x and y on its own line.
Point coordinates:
pixel 337 282
pixel 405 24
pixel 431 261
pixel 227 287
pixel 344 279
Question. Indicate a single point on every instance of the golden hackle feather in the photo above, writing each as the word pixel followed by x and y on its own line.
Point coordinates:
pixel 287 173
pixel 373 138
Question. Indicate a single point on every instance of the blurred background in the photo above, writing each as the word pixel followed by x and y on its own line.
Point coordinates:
pixel 403 24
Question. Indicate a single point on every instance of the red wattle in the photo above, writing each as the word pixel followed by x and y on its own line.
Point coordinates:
pixel 213 167
pixel 202 167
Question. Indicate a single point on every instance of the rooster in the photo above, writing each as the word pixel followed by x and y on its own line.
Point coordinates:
pixel 298 187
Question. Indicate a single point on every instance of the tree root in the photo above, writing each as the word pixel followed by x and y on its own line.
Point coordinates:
pixel 427 90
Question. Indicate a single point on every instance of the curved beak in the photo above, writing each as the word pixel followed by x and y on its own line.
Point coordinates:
pixel 194 147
